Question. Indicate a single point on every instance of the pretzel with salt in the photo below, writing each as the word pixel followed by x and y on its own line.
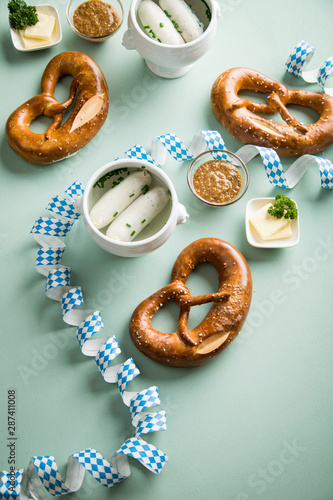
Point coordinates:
pixel 219 327
pixel 88 90
pixel 292 138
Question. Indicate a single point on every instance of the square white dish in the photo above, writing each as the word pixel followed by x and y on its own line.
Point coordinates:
pixel 56 35
pixel 253 237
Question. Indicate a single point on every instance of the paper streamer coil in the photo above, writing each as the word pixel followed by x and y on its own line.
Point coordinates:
pixel 299 60
pixel 211 140
pixel 43 470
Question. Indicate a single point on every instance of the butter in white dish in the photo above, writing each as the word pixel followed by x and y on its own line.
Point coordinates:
pixel 41 33
pixel 269 227
pixel 34 44
pixel 43 29
pixel 115 200
pixel 138 215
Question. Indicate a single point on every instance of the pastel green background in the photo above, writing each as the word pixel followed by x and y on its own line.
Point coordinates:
pixel 256 422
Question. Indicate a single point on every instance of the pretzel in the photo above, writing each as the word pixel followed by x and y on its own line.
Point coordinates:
pixel 238 115
pixel 219 327
pixel 61 139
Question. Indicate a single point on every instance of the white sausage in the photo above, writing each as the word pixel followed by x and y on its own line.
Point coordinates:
pixel 187 22
pixel 157 25
pixel 136 217
pixel 116 199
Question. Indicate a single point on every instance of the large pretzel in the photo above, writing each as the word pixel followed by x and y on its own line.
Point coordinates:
pixel 219 327
pixel 61 139
pixel 238 115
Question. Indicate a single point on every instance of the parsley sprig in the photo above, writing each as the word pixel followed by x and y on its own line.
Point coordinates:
pixel 283 207
pixel 21 14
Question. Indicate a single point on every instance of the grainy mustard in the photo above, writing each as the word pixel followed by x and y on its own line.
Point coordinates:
pixel 217 181
pixel 95 18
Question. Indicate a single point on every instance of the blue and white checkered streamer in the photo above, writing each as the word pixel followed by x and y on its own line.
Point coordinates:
pixel 298 61
pixel 145 453
pixel 51 227
pixel 126 373
pixel 10 484
pixel 107 473
pixel 48 231
pixel 151 422
pixel 48 258
pixel 75 190
pixel 212 140
pixel 70 300
pixel 57 282
pixel 43 470
pixel 100 469
pixel 139 153
pixel 108 352
pixel 288 179
pixel 146 422
pixel 91 325
pixel 49 475
pixel 143 400
pixel 175 147
pixel 299 57
pixel 273 166
pixel 324 72
pixel 275 172
pixel 170 143
pixel 62 207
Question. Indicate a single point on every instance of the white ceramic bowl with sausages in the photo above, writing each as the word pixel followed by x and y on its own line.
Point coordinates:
pixel 165 57
pixel 155 233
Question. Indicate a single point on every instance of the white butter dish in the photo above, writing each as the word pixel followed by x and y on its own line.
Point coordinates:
pixel 55 37
pixel 252 235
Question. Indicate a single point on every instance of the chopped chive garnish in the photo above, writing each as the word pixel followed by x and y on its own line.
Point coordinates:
pixel 161 25
pixel 131 195
pixel 208 12
pixel 100 183
pixel 128 225
pixel 159 40
pixel 118 181
pixel 145 189
pixel 143 221
pixel 146 27
pixel 132 233
pixel 115 214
